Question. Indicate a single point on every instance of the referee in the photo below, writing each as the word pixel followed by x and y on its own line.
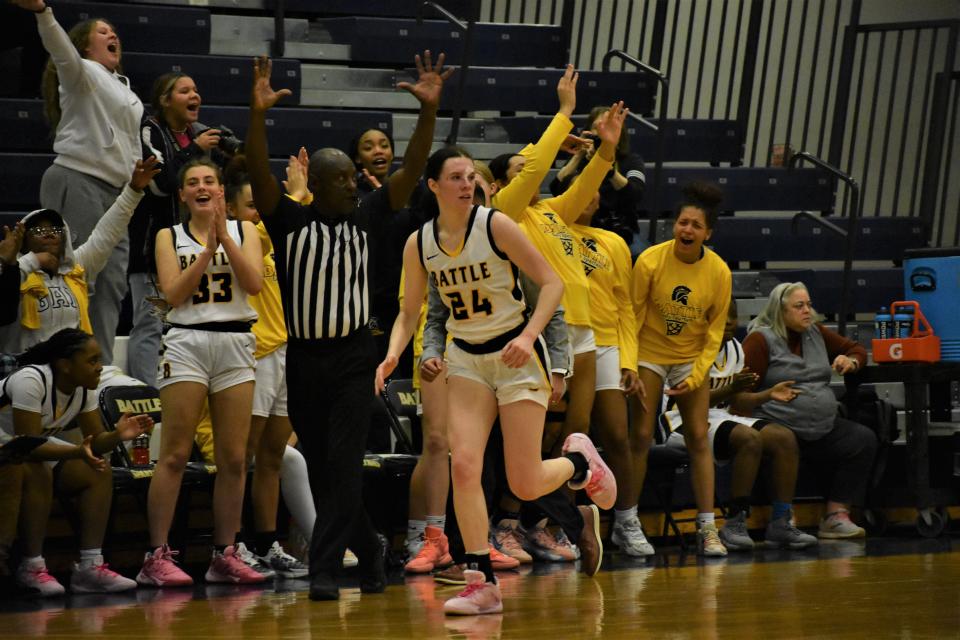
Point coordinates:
pixel 323 254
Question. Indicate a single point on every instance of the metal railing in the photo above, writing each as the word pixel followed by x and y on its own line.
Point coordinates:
pixel 850 233
pixel 465 27
pixel 661 78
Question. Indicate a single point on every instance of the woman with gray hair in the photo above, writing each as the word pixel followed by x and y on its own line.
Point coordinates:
pixel 794 357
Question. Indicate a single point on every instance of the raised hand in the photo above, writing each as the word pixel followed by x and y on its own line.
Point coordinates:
pixel 575 144
pixel 611 123
pixel 262 95
pixel 430 80
pixel 11 243
pixel 220 217
pixel 129 426
pixel 30 5
pixel 372 179
pixel 143 173
pixel 296 182
pixel 567 91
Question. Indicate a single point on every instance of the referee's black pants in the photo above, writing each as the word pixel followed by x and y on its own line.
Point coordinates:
pixel 329 396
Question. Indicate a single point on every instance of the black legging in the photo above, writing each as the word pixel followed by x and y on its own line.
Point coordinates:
pixel 848 450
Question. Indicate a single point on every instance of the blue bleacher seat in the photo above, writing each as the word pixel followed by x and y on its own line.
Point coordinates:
pixel 499 89
pixel 220 79
pixel 20 186
pixel 396 40
pixel 753 188
pixel 463 9
pixel 289 129
pixel 871 289
pixel 145 27
pixel 713 141
pixel 23 126
pixel 765 239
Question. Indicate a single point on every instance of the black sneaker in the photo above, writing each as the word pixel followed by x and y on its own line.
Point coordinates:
pixel 324 587
pixel 373 572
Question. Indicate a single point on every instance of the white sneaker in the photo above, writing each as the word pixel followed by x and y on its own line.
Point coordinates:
pixel 36 577
pixel 628 535
pixel 254 561
pixel 283 563
pixel 98 578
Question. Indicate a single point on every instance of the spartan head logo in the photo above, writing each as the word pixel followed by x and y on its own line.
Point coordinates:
pixel 680 294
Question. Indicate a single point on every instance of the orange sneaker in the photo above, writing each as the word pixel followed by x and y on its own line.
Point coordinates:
pixel 434 554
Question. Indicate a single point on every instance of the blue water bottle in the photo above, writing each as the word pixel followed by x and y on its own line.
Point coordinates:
pixel 882 325
pixel 903 322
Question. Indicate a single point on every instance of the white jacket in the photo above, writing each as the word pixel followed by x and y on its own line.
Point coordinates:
pixel 99 130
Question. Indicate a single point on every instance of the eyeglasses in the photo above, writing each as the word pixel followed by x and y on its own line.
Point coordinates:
pixel 46 231
pixel 801 304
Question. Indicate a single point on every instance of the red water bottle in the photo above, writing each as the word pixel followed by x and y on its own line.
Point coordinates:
pixel 140 451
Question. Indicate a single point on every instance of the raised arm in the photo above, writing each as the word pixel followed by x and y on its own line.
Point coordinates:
pixel 427 90
pixel 571 204
pixel 66 58
pixel 516 196
pixel 266 191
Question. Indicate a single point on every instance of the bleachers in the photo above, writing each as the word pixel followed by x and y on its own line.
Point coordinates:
pixel 180 30
pixel 501 45
pixel 223 79
pixel 463 9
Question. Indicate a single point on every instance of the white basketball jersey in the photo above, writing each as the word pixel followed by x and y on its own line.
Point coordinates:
pixel 219 297
pixel 729 363
pixel 478 283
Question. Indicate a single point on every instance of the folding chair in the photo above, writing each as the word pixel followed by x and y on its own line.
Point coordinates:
pixel 401 401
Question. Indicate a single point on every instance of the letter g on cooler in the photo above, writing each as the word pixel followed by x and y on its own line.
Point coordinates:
pixel 896 351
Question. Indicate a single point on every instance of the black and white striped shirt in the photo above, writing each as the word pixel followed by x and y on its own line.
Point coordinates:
pixel 323 267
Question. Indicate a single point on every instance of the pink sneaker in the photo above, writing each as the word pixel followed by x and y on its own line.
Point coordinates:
pixel 600 484
pixel 229 568
pixel 98 578
pixel 36 578
pixel 501 561
pixel 161 570
pixel 434 554
pixel 508 541
pixel 543 546
pixel 478 598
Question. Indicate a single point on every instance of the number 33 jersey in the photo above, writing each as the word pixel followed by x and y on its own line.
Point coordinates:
pixel 218 297
pixel 477 282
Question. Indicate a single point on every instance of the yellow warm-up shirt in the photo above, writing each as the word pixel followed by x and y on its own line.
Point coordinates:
pixel 269 329
pixel 546 223
pixel 680 308
pixel 611 313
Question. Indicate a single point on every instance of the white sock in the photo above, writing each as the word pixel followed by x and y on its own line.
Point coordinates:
pixel 626 515
pixel 704 519
pixel 415 529
pixel 437 521
pixel 89 557
pixel 295 487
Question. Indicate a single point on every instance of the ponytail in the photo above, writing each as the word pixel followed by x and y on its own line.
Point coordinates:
pixel 61 345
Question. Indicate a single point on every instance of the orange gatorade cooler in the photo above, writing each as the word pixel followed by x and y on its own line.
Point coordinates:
pixel 921 346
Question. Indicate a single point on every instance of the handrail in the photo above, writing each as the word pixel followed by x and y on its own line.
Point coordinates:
pixel 467 28
pixel 850 233
pixel 661 78
pixel 279 33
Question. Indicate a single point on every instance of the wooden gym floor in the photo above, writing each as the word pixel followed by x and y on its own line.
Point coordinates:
pixel 885 587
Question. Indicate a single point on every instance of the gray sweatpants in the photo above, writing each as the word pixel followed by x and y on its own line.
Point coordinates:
pixel 82 200
pixel 143 350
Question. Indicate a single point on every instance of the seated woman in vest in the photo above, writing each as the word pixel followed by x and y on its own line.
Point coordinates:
pixel 788 347
pixel 53 395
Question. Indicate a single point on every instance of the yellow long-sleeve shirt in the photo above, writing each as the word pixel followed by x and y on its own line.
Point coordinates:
pixel 680 308
pixel 269 329
pixel 611 313
pixel 546 223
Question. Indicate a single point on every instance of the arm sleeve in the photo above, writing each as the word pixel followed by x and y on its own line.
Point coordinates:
pixel 572 203
pixel 714 337
pixel 626 320
pixel 756 354
pixel 66 58
pixel 838 345
pixel 516 196
pixel 434 329
pixel 9 293
pixel 93 254
pixel 640 288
